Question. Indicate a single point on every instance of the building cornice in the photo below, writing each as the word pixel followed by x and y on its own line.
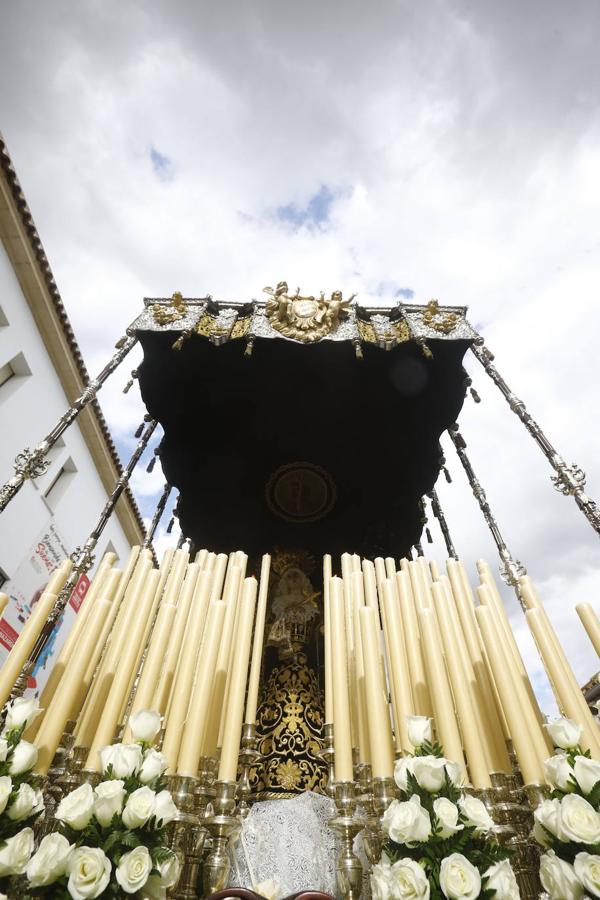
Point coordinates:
pixel 30 263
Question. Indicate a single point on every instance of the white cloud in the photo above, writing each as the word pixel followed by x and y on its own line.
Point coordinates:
pixel 461 141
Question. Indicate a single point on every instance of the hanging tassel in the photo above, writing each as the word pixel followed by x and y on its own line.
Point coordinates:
pixel 475 395
pixel 140 431
pixel 249 347
pixel 429 538
pixel 170 525
pixel 129 384
pixel 358 350
pixel 151 464
pixel 447 475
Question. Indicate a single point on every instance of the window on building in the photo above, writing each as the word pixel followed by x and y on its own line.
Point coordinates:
pixel 60 483
pixel 12 374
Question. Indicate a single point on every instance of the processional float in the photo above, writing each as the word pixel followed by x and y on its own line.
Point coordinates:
pixel 304 430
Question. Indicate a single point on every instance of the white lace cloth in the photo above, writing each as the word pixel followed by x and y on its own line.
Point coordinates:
pixel 289 845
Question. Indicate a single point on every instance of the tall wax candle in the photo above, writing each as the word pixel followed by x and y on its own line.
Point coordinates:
pixel 531 768
pixel 591 623
pixel 239 673
pixel 199 706
pixel 402 700
pixel 327 640
pixel 257 645
pixel 380 735
pixel 341 705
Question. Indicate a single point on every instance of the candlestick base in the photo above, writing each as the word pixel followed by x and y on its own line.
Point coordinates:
pixel 349 868
pixel 186 834
pixel 222 825
pixel 248 759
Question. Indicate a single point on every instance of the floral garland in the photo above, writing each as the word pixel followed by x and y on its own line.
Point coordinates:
pixel 111 838
pixel 439 842
pixel 21 800
pixel 568 824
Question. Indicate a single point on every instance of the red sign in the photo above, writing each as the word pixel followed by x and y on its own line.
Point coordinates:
pixel 8 635
pixel 78 595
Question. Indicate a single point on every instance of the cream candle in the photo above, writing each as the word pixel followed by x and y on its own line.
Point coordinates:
pixel 257 646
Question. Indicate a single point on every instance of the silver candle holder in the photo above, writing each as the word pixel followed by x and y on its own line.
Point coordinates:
pixel 222 825
pixel 248 759
pixel 327 754
pixel 349 868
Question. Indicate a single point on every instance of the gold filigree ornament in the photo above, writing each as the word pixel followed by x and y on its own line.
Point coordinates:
pixel 166 314
pixel 305 319
pixel 439 320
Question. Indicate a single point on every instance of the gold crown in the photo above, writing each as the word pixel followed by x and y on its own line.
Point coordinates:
pixel 292 559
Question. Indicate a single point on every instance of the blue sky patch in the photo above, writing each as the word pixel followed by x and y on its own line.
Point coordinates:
pixel 162 164
pixel 316 211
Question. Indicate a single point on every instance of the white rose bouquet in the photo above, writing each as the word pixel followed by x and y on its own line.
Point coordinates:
pixel 111 839
pixel 439 841
pixel 21 799
pixel 568 824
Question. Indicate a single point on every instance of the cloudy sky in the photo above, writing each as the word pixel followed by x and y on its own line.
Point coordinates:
pixel 443 149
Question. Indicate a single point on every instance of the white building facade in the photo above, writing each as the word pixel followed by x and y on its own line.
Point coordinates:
pixel 41 373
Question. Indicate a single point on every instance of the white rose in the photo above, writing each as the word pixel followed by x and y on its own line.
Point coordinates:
pixel 153 766
pixel 587 773
pixel 89 873
pixel 24 758
pixel 76 809
pixel 20 712
pixel 145 725
pixel 24 804
pixel 578 820
pixel 380 879
pixel 587 869
pixel 447 816
pixel 475 813
pixel 419 729
pixel 3 897
pixel 558 771
pixel 133 870
pixel 564 733
pixel 454 772
pixel 139 807
pixel 5 791
pixel 430 772
pixel 501 879
pixel 164 810
pixel 558 878
pixel 408 881
pixel 15 854
pixel 50 861
pixel 125 759
pixel 459 879
pixel 546 817
pixel 170 870
pixel 407 823
pixel 403 766
pixel 108 800
pixel 3 749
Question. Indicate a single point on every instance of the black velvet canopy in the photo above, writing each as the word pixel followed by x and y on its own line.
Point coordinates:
pixel 301 445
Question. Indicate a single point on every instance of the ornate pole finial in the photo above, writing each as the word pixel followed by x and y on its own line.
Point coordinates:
pixel 569 480
pixel 513 569
pixel 30 464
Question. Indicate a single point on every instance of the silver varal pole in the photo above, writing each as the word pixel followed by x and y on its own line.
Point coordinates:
pixel 513 569
pixel 439 514
pixel 569 480
pixel 160 508
pixel 83 559
pixel 30 464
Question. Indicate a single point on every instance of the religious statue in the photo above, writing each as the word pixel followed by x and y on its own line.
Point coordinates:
pixel 290 715
pixel 305 318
